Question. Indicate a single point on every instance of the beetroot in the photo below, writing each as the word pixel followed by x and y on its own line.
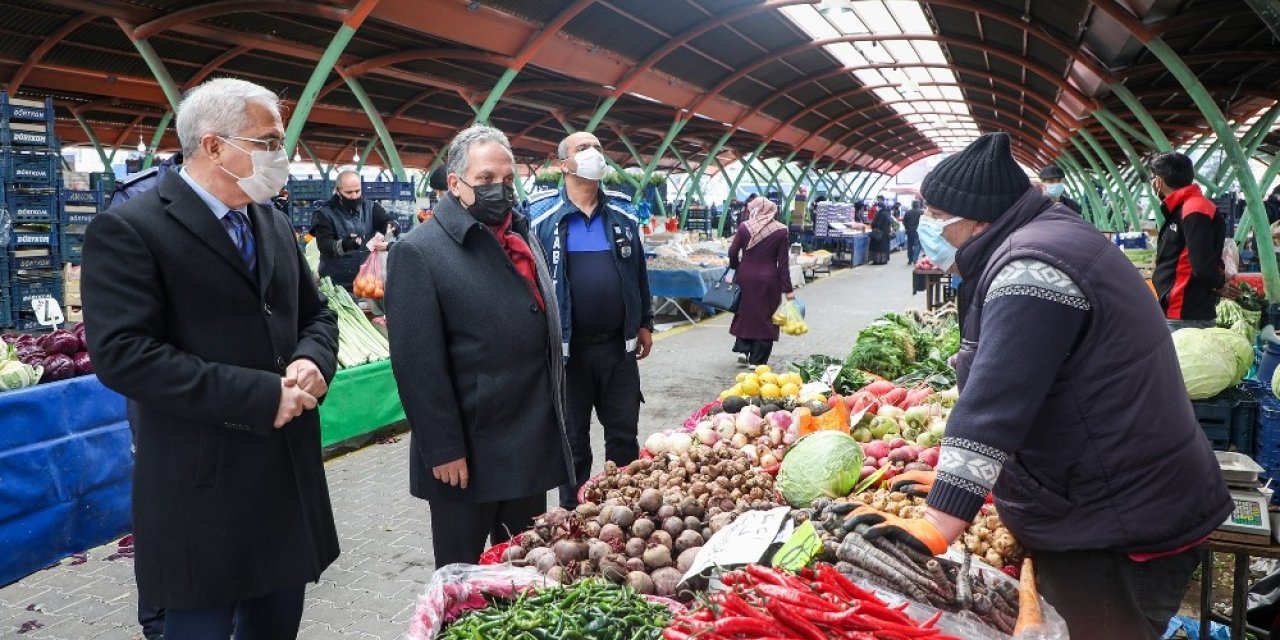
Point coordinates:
pixel 665 581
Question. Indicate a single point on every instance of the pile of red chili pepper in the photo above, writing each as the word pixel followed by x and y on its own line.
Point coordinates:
pixel 815 604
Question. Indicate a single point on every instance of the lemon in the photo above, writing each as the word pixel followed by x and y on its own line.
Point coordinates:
pixel 752 378
pixel 726 394
pixel 770 391
pixel 750 387
pixel 735 390
pixel 763 369
pixel 794 378
pixel 741 376
pixel 790 389
pixel 769 378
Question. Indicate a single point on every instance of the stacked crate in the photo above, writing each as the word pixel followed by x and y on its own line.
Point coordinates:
pixel 397 198
pixel 304 197
pixel 30 170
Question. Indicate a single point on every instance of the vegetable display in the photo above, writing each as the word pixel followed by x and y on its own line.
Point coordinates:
pixel 762 602
pixel 1209 360
pixel 28 359
pixel 588 609
pixel 986 537
pixel 358 341
pixel 821 464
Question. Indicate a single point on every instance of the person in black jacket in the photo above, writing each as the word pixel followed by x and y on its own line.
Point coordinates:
pixel 475 349
pixel 1189 276
pixel 201 311
pixel 342 227
pixel 1053 183
pixel 911 224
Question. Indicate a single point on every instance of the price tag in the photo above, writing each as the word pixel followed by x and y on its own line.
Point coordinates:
pixel 743 542
pixel 800 549
pixel 829 376
pixel 48 311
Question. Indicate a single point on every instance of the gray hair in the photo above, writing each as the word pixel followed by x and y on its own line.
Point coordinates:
pixel 562 149
pixel 218 107
pixel 460 148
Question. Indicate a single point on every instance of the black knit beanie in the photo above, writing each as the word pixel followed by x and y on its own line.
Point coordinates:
pixel 979 183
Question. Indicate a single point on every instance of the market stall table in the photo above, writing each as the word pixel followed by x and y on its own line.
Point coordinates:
pixel 65 472
pixel 1242 549
pixel 935 283
pixel 360 400
pixel 669 285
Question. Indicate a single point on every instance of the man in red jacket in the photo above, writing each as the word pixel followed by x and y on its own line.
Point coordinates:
pixel 1189 276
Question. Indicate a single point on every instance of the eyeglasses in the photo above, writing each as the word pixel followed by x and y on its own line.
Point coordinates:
pixel 270 144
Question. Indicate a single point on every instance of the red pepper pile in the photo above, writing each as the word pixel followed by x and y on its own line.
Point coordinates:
pixel 767 604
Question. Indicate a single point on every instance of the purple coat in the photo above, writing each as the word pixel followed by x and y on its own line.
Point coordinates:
pixel 764 273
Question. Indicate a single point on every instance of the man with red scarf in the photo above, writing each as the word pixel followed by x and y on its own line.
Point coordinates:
pixel 475 348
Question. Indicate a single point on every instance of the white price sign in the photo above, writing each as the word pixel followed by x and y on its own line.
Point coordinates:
pixel 48 311
pixel 829 376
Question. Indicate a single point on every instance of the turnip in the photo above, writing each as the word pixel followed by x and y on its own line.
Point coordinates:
pixel 706 433
pixel 679 443
pixel 739 440
pixel 726 426
pixel 768 460
pixel 752 454
pixel 930 456
pixel 656 443
pixel 750 424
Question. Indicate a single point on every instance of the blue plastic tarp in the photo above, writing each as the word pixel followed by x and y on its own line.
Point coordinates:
pixel 65 473
pixel 685 283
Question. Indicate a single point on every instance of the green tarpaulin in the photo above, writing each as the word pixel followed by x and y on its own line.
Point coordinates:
pixel 360 400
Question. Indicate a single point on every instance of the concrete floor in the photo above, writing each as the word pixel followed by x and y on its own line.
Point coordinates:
pixel 371 590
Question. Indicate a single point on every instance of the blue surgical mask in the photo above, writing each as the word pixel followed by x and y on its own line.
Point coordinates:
pixel 940 252
pixel 1055 191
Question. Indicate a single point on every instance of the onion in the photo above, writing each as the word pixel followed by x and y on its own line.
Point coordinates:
pixel 750 424
pixel 726 426
pixel 656 444
pixel 706 433
pixel 679 443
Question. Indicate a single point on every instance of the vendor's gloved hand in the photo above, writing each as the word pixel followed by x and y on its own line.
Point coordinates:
pixel 913 483
pixel 351 243
pixel 917 533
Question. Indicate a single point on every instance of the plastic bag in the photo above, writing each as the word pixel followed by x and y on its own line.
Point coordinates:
pixel 458 588
pixel 790 317
pixel 372 278
pixel 1230 258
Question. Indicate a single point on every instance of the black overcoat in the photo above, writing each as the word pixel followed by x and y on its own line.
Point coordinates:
pixel 477 361
pixel 225 507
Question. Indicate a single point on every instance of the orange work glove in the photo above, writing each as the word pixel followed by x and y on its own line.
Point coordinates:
pixel 913 483
pixel 917 533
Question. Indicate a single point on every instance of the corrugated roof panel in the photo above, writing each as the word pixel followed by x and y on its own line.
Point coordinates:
pixel 98 59
pixel 539 13
pixel 726 46
pixel 955 21
pixel 748 91
pixel 770 32
pixel 692 68
pixel 268 24
pixel 615 32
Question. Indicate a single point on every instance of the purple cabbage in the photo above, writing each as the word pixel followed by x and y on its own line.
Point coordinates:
pixel 58 367
pixel 25 339
pixel 28 350
pixel 84 366
pixel 8 338
pixel 61 342
pixel 78 332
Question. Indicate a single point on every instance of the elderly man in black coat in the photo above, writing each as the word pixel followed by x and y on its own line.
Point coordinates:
pixel 475 347
pixel 200 309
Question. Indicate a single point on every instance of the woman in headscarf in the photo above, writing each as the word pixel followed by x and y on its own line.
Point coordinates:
pixel 760 256
pixel 881 233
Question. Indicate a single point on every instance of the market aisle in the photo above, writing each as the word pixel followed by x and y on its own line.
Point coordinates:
pixel 370 591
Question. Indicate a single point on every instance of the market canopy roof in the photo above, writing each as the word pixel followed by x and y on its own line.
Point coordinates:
pixel 848 84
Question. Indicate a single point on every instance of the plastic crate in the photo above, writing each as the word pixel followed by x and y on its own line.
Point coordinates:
pixel 104 182
pixel 16 265
pixel 387 191
pixel 72 249
pixel 26 290
pixel 26 109
pixel 1134 240
pixel 83 198
pixel 310 189
pixel 36 170
pixel 38 135
pixel 28 236
pixel 1228 420
pixel 6 309
pixel 33 206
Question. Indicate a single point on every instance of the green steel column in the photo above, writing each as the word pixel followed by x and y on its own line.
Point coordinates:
pixel 702 168
pixel 672 132
pixel 314 158
pixel 733 186
pixel 1252 140
pixel 1253 196
pixel 1104 114
pixel 1074 183
pixel 375 118
pixel 328 59
pixel 156 64
pixel 93 139
pixel 482 114
pixel 1105 118
pixel 1115 199
pixel 631 148
pixel 1131 101
pixel 364 155
pixel 600 112
pixel 1091 194
pixel 1125 195
pixel 156 138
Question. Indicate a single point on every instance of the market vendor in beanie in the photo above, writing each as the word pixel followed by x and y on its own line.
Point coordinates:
pixel 1053 183
pixel 1072 409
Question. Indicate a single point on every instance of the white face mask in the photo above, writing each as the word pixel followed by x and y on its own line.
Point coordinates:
pixel 590 163
pixel 270 173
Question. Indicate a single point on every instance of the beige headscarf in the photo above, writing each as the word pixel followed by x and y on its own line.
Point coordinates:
pixel 761 223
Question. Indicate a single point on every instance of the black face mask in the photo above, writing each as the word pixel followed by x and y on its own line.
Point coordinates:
pixel 493 202
pixel 352 204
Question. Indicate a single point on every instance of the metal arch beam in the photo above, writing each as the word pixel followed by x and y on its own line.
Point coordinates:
pixel 375 118
pixel 1135 159
pixel 1125 195
pixel 414 101
pixel 216 63
pixel 1203 58
pixel 1196 16
pixel 328 60
pixel 983 47
pixel 1018 135
pixel 994 123
pixel 43 49
pixel 567 86
pixel 226 7
pixel 154 63
pixel 361 68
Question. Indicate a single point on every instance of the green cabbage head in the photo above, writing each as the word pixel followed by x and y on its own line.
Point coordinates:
pixel 823 463
pixel 1240 346
pixel 1208 364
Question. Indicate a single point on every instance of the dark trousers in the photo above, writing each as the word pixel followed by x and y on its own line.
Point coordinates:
pixel 604 377
pixel 1104 595
pixel 913 247
pixel 757 351
pixel 459 529
pixel 271 617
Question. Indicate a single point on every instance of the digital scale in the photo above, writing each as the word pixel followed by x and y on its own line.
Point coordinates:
pixel 1250 515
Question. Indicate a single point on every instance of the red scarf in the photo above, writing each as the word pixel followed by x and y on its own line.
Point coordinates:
pixel 521 256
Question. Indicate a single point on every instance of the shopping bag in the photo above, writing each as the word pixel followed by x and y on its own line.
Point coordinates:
pixel 790 317
pixel 724 295
pixel 371 279
pixel 1230 259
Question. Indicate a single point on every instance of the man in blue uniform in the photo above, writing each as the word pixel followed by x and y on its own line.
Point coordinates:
pixel 592 243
